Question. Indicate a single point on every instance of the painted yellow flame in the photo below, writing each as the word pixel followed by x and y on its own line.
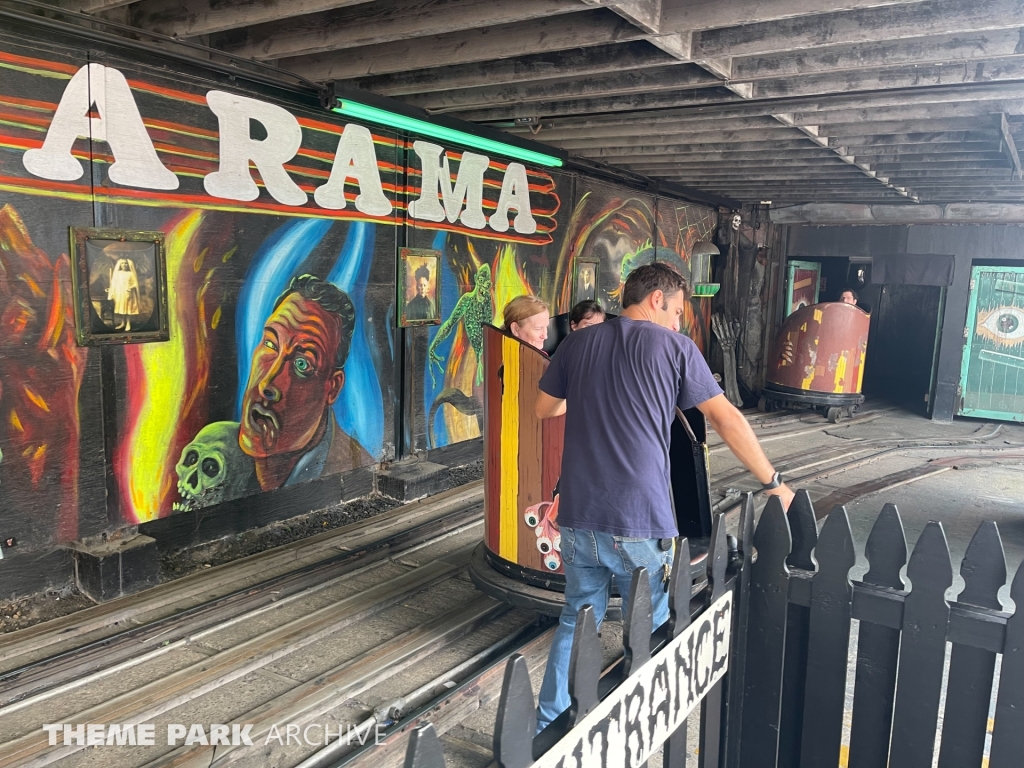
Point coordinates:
pixel 165 367
pixel 508 282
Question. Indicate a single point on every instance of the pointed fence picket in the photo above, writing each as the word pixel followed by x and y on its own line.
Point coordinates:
pixel 800 609
pixel 515 744
pixel 784 698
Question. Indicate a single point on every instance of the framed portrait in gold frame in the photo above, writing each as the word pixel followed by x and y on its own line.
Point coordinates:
pixel 119 280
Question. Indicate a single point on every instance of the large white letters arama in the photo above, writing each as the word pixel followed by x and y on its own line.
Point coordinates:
pixel 105 92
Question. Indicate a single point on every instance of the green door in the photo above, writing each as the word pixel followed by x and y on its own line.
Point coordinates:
pixel 802 285
pixel 992 372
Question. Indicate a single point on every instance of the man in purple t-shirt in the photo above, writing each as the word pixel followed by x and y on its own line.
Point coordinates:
pixel 619 384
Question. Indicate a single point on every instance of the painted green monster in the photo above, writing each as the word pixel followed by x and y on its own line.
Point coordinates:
pixel 474 310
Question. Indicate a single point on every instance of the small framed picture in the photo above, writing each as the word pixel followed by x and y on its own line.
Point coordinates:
pixel 119 280
pixel 586 281
pixel 419 287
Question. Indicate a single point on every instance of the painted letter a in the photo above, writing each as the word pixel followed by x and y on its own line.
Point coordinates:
pixel 119 124
pixel 515 193
pixel 232 179
pixel 357 160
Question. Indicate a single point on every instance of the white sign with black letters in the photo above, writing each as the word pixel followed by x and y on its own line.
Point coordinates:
pixel 629 726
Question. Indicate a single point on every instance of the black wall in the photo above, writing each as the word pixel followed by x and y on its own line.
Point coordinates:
pixel 969 244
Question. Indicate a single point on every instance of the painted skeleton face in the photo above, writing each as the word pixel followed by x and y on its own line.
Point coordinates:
pixel 212 468
pixel 736 221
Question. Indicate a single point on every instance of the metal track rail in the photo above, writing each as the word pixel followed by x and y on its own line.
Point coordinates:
pixel 138 643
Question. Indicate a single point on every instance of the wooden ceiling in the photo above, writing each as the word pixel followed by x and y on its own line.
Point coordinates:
pixel 782 100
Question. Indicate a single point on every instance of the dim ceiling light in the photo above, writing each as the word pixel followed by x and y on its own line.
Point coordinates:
pixel 423 128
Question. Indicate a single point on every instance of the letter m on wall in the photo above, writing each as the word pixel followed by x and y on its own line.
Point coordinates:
pixel 437 186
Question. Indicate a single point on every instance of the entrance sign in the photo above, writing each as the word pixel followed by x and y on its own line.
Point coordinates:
pixel 631 724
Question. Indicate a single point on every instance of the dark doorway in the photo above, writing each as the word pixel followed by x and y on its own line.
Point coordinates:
pixel 901 350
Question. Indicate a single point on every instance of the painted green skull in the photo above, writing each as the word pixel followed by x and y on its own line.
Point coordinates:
pixel 213 468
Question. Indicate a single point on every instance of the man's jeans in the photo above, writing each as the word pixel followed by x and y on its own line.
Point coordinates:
pixel 591 558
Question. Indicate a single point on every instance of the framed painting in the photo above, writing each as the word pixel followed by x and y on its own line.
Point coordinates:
pixel 585 285
pixel 419 287
pixel 119 279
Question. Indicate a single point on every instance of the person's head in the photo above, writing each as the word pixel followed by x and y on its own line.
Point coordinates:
pixel 587 274
pixel 297 370
pixel 422 278
pixel 526 318
pixel 657 293
pixel 585 314
pixel 848 297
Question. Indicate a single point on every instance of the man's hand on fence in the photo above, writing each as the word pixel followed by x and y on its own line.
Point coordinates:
pixel 784 493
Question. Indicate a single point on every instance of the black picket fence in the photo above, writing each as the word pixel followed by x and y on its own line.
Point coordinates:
pixel 782 702
pixel 800 605
pixel 516 746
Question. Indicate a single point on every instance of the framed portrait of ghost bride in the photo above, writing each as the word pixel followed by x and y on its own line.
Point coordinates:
pixel 119 282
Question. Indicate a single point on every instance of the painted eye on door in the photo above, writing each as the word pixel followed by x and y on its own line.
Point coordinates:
pixel 1003 325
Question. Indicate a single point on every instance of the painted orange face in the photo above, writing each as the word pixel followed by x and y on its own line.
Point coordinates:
pixel 292 381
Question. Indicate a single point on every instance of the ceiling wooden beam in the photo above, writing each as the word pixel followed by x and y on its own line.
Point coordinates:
pixel 380 22
pixel 665 78
pixel 707 14
pixel 597 27
pixel 91 6
pixel 691 137
pixel 567 128
pixel 913 149
pixel 556 65
pixel 895 168
pixel 646 14
pixel 865 25
pixel 623 102
pixel 192 18
pixel 1010 146
pixel 971 47
pixel 728 155
pixel 669 149
pixel 982 108
pixel 817 213
pixel 943 102
pixel 937 137
pixel 923 76
pixel 754 165
pixel 928 157
pixel 956 175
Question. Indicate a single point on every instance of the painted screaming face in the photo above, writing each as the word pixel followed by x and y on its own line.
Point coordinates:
pixel 292 381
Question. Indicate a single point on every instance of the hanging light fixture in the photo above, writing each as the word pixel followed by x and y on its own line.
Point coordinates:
pixel 700 268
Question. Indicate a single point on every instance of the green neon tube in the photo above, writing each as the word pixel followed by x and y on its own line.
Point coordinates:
pixel 422 127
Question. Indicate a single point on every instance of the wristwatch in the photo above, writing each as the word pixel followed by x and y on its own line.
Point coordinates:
pixel 775 482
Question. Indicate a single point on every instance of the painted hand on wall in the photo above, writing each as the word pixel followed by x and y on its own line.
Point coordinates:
pixel 474 309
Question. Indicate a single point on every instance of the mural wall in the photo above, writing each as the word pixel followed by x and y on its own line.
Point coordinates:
pixel 283 223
